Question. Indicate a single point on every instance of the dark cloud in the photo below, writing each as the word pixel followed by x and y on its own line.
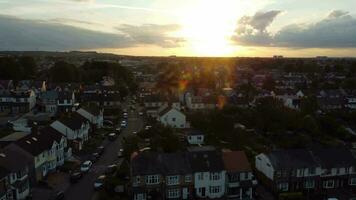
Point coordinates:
pixel 21 34
pixel 337 30
pixel 152 34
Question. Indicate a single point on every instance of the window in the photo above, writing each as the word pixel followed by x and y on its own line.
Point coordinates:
pixel 309 184
pixel 311 171
pixel 199 137
pixel 214 189
pixel 352 181
pixel 328 184
pixel 278 174
pixel 188 178
pixel 173 119
pixel 141 196
pixel 201 176
pixel 173 193
pixel 172 180
pixel 153 179
pixel 283 187
pixel 137 180
pixel 214 176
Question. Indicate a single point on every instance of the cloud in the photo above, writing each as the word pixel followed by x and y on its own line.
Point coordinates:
pixel 20 34
pixel 337 30
pixel 152 34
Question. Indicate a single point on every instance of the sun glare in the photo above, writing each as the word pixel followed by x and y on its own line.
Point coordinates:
pixel 208 25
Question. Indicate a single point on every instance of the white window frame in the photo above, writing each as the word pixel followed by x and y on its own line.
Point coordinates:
pixel 215 176
pixel 152 179
pixel 352 181
pixel 188 178
pixel 214 189
pixel 308 184
pixel 173 193
pixel 326 184
pixel 284 186
pixel 172 180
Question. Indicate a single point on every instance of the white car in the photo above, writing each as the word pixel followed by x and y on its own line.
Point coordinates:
pixel 85 167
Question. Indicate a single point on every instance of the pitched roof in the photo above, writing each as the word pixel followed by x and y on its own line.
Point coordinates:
pixel 74 121
pixel 292 158
pixel 36 143
pixel 14 159
pixel 334 157
pixel 147 163
pixel 236 161
pixel 92 109
pixel 202 160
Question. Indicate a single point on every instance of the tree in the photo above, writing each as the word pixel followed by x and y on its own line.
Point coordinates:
pixel 29 67
pixel 64 72
pixel 310 125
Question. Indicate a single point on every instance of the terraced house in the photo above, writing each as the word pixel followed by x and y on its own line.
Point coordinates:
pixel 198 173
pixel 14 174
pixel 48 150
pixel 320 173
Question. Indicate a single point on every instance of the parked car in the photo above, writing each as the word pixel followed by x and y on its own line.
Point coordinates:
pixel 112 136
pixel 120 154
pixel 75 176
pixel 58 195
pixel 94 157
pixel 111 169
pixel 124 124
pixel 140 113
pixel 99 182
pixel 100 150
pixel 148 127
pixel 118 130
pixel 85 167
pixel 134 132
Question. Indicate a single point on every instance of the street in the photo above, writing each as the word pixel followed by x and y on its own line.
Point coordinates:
pixel 84 188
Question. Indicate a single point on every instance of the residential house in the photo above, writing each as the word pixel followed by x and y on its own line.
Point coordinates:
pixel 200 102
pixel 195 137
pixel 172 117
pixel 17 101
pixel 317 173
pixel 94 114
pixel 17 164
pixel 331 99
pixel 48 101
pixel 5 190
pixel 161 176
pixel 208 171
pixel 290 99
pixel 66 101
pixel 154 101
pixel 75 128
pixel 47 148
pixel 239 178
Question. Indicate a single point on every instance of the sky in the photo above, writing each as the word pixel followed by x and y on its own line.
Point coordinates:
pixel 257 28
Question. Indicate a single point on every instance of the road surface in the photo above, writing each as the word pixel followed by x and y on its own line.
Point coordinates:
pixel 84 190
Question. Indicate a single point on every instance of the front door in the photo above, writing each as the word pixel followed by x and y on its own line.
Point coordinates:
pixel 203 192
pixel 185 193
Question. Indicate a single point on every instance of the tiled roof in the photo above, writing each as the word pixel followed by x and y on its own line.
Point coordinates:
pixel 36 143
pixel 236 161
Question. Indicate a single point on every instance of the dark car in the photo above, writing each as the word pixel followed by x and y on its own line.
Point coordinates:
pixel 94 157
pixel 112 136
pixel 111 169
pixel 100 150
pixel 75 176
pixel 59 195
